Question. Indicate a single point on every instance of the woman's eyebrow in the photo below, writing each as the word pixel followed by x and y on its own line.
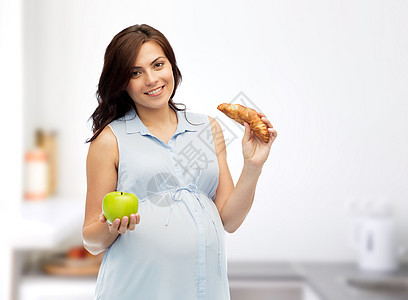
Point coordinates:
pixel 152 63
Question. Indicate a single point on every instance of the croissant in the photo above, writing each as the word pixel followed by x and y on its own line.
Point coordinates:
pixel 243 114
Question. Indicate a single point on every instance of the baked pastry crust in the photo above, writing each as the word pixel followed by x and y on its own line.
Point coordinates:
pixel 242 114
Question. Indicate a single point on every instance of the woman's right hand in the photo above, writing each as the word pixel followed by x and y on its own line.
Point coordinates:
pixel 121 226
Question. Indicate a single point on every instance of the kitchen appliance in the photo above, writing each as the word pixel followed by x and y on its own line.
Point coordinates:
pixel 376 244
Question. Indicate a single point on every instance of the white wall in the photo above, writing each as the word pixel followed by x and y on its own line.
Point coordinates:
pixel 331 76
pixel 11 152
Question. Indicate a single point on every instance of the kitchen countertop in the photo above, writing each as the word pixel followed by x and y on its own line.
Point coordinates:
pixel 45 224
pixel 328 280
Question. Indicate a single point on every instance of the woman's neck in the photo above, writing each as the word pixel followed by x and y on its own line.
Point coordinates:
pixel 157 117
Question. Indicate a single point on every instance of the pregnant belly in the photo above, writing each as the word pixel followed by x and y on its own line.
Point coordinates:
pixel 168 232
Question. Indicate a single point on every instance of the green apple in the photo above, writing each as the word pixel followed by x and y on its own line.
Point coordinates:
pixel 116 205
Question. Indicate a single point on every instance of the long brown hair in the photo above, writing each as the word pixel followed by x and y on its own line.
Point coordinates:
pixel 120 55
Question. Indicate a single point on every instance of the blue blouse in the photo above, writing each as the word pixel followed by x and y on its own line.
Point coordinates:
pixel 177 250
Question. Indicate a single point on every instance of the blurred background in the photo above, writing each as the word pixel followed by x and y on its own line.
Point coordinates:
pixel 330 75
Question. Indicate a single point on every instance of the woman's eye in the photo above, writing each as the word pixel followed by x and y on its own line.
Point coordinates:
pixel 159 64
pixel 135 73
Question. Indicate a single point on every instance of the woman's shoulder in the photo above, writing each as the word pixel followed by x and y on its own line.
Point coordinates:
pixel 207 119
pixel 103 152
pixel 197 117
pixel 121 119
pixel 105 139
pixel 118 125
pixel 204 120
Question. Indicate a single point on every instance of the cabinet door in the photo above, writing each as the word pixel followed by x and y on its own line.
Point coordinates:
pixel 57 289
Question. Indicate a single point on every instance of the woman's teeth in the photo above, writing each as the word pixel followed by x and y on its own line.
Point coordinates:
pixel 155 91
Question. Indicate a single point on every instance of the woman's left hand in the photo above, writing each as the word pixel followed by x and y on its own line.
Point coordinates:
pixel 256 151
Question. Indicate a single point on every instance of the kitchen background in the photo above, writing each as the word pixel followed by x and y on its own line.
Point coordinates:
pixel 330 75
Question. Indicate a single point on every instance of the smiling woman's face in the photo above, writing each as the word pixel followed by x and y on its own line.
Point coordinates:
pixel 152 81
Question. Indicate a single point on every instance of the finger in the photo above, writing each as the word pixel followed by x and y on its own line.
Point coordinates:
pixel 267 122
pixel 273 134
pixel 137 218
pixel 247 134
pixel 132 222
pixel 102 218
pixel 261 114
pixel 115 226
pixel 123 225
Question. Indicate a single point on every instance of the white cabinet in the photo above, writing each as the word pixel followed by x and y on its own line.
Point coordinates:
pixel 44 226
pixel 55 288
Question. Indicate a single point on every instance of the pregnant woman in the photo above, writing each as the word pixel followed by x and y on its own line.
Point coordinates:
pixel 146 144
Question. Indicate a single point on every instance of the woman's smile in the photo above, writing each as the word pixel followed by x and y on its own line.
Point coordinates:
pixel 155 92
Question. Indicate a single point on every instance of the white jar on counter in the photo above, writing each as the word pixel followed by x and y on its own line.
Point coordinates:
pixel 36 175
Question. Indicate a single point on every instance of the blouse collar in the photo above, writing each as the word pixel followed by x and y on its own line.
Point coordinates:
pixel 134 124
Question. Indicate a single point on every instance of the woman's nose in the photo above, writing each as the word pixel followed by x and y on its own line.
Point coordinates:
pixel 151 78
